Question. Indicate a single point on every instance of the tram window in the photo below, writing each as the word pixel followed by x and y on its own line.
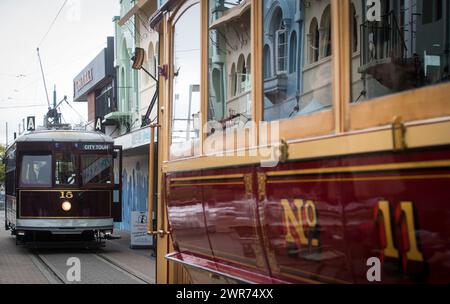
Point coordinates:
pixel 10 184
pixel 297 58
pixel 96 169
pixel 186 82
pixel 229 94
pixel 65 169
pixel 36 171
pixel 404 45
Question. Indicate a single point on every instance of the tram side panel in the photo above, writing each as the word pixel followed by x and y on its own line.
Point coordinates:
pixel 321 220
pixel 399 214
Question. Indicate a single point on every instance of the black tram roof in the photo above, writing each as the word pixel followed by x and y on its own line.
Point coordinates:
pixel 64 136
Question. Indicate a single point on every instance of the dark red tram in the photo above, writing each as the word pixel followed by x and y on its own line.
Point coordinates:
pixel 61 182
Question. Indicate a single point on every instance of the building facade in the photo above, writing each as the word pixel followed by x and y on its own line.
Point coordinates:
pixel 96 85
pixel 135 91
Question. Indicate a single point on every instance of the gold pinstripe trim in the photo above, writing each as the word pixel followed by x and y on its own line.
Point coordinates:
pixel 356 179
pixel 365 168
pixel 209 177
pixel 207 184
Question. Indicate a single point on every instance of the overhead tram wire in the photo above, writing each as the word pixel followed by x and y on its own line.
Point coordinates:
pixel 78 113
pixel 48 31
pixel 53 23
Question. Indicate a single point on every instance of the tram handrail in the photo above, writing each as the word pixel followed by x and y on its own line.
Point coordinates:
pixel 151 181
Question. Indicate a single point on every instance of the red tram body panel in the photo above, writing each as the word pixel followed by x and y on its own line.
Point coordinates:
pixel 316 220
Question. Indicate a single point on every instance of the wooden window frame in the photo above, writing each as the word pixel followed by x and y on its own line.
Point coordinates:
pixel 196 145
pixel 344 118
pixel 410 105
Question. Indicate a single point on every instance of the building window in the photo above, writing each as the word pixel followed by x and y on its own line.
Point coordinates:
pixel 267 62
pixel 325 31
pixel 293 53
pixel 281 50
pixel 229 56
pixel 354 28
pixel 313 41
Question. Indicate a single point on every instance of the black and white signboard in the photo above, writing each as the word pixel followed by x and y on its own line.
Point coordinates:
pixel 31 123
pixel 99 123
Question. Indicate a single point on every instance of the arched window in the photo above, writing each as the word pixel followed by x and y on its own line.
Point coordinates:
pixel 313 42
pixel 267 62
pixel 325 28
pixel 279 33
pixel 233 84
pixel 242 73
pixel 293 53
pixel 354 29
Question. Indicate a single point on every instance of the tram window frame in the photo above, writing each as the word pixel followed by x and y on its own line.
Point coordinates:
pixel 409 105
pixel 48 184
pixel 243 135
pixel 95 184
pixel 76 166
pixel 314 124
pixel 193 146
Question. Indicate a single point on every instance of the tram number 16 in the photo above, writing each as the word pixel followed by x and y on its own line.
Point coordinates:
pixel 65 194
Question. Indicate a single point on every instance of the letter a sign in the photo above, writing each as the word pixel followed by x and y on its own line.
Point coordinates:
pixel 31 123
pixel 98 124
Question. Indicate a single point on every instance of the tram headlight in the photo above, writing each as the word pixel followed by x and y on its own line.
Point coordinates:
pixel 66 206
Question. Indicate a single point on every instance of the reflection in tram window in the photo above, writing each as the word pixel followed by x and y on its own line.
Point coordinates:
pixel 229 99
pixel 297 58
pixel 96 169
pixel 36 171
pixel 65 169
pixel 186 81
pixel 403 45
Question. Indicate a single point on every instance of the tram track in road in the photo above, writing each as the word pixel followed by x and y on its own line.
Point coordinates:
pixel 95 267
pixel 122 267
pixel 52 275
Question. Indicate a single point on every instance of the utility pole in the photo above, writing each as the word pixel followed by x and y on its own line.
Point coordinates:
pixel 6 144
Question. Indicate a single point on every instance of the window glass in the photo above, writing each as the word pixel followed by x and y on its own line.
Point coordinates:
pixel 297 58
pixel 65 169
pixel 10 183
pixel 186 80
pixel 36 171
pixel 229 64
pixel 96 169
pixel 403 45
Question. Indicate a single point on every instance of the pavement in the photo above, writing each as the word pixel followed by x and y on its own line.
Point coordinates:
pixel 116 263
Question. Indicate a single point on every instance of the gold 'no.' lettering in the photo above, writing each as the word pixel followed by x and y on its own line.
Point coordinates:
pixel 307 211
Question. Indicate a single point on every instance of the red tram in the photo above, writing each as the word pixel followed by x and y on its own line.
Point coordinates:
pixel 303 141
pixel 62 182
